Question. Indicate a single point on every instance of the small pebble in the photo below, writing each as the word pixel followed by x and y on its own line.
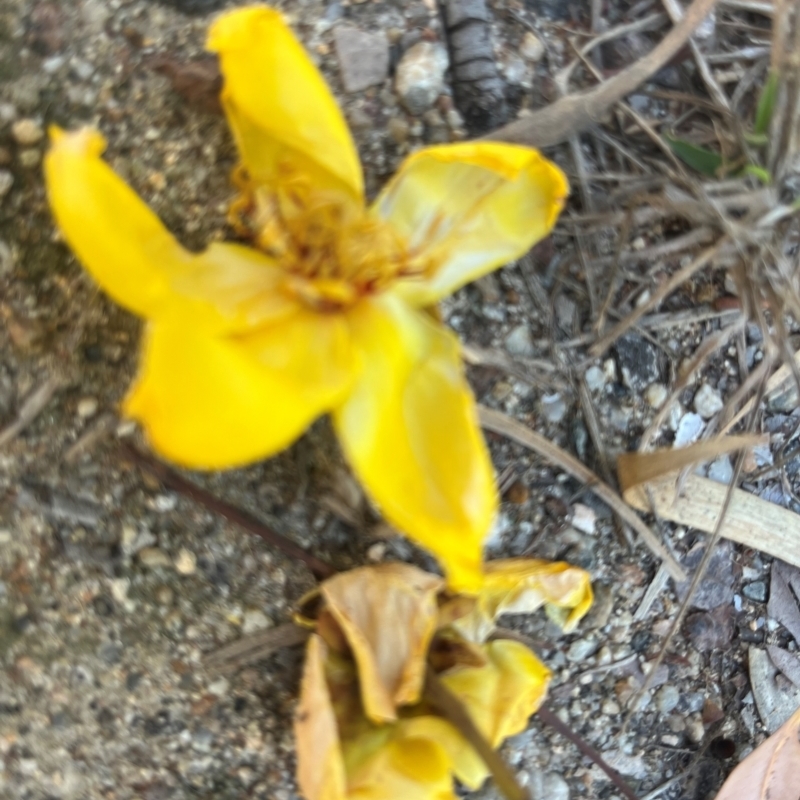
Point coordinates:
pixel 186 562
pixel 87 407
pixel 30 157
pixel 667 698
pixel 610 708
pixel 363 57
pixel 164 502
pixel 638 361
pixel 419 78
pixel 376 552
pixel 548 786
pixel 519 342
pixel 677 724
pixel 689 429
pixel 581 650
pixel 655 395
pixel 584 518
pixel 398 129
pixel 219 687
pixel 721 470
pixel 8 113
pixel 707 401
pixel 6 182
pixel 153 558
pixel 757 590
pixel 695 729
pixel 531 48
pixel 553 407
pixel 254 620
pixel 27 132
pixel 595 378
pixel 164 596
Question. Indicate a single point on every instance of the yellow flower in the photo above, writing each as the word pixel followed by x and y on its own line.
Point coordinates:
pixel 326 312
pixel 364 728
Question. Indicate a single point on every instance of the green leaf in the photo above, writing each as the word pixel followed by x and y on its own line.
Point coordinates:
pixel 698 158
pixel 756 139
pixel 766 103
pixel 758 172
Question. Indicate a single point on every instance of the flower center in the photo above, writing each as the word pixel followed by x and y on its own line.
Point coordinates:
pixel 333 250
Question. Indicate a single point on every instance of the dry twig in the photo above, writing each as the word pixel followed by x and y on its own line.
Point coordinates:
pixel 572 114
pixel 506 426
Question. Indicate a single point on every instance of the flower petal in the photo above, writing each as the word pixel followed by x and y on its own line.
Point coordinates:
pixel 133 257
pixel 213 402
pixel 278 105
pixel 500 696
pixel 522 585
pixel 116 237
pixel 320 766
pixel 465 762
pixel 469 208
pixel 401 766
pixel 409 428
pixel 388 615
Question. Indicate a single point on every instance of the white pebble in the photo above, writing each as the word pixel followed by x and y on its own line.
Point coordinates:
pixel 707 401
pixel 595 379
pixel 531 48
pixel 254 620
pixel 553 407
pixel 186 562
pixel 87 407
pixel 655 395
pixel 6 182
pixel 419 78
pixel 27 132
pixel 689 429
pixel 583 518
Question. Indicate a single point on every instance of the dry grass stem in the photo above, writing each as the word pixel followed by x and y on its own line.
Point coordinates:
pixel 507 426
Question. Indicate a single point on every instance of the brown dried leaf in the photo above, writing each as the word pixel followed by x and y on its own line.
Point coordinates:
pixel 320 768
pixel 776 697
pixel 788 663
pixel 199 82
pixel 770 771
pixel 521 586
pixel 649 482
pixel 388 614
pixel 783 594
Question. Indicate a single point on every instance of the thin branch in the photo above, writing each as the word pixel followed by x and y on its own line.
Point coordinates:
pixel 507 426
pixel 570 115
pixel 452 709
pixel 173 481
pixel 549 718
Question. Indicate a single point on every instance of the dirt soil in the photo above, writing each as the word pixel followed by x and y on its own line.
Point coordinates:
pixel 112 589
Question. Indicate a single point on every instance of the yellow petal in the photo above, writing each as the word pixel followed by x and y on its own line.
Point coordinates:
pixel 320 767
pixel 522 585
pixel 403 767
pixel 388 615
pixel 500 696
pixel 112 232
pixel 409 428
pixel 278 105
pixel 465 762
pixel 212 402
pixel 230 289
pixel 468 209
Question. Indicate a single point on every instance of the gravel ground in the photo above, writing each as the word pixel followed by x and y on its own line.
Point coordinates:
pixel 111 589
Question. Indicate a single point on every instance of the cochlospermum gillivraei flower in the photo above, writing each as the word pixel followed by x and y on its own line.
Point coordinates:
pixel 328 310
pixel 364 726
